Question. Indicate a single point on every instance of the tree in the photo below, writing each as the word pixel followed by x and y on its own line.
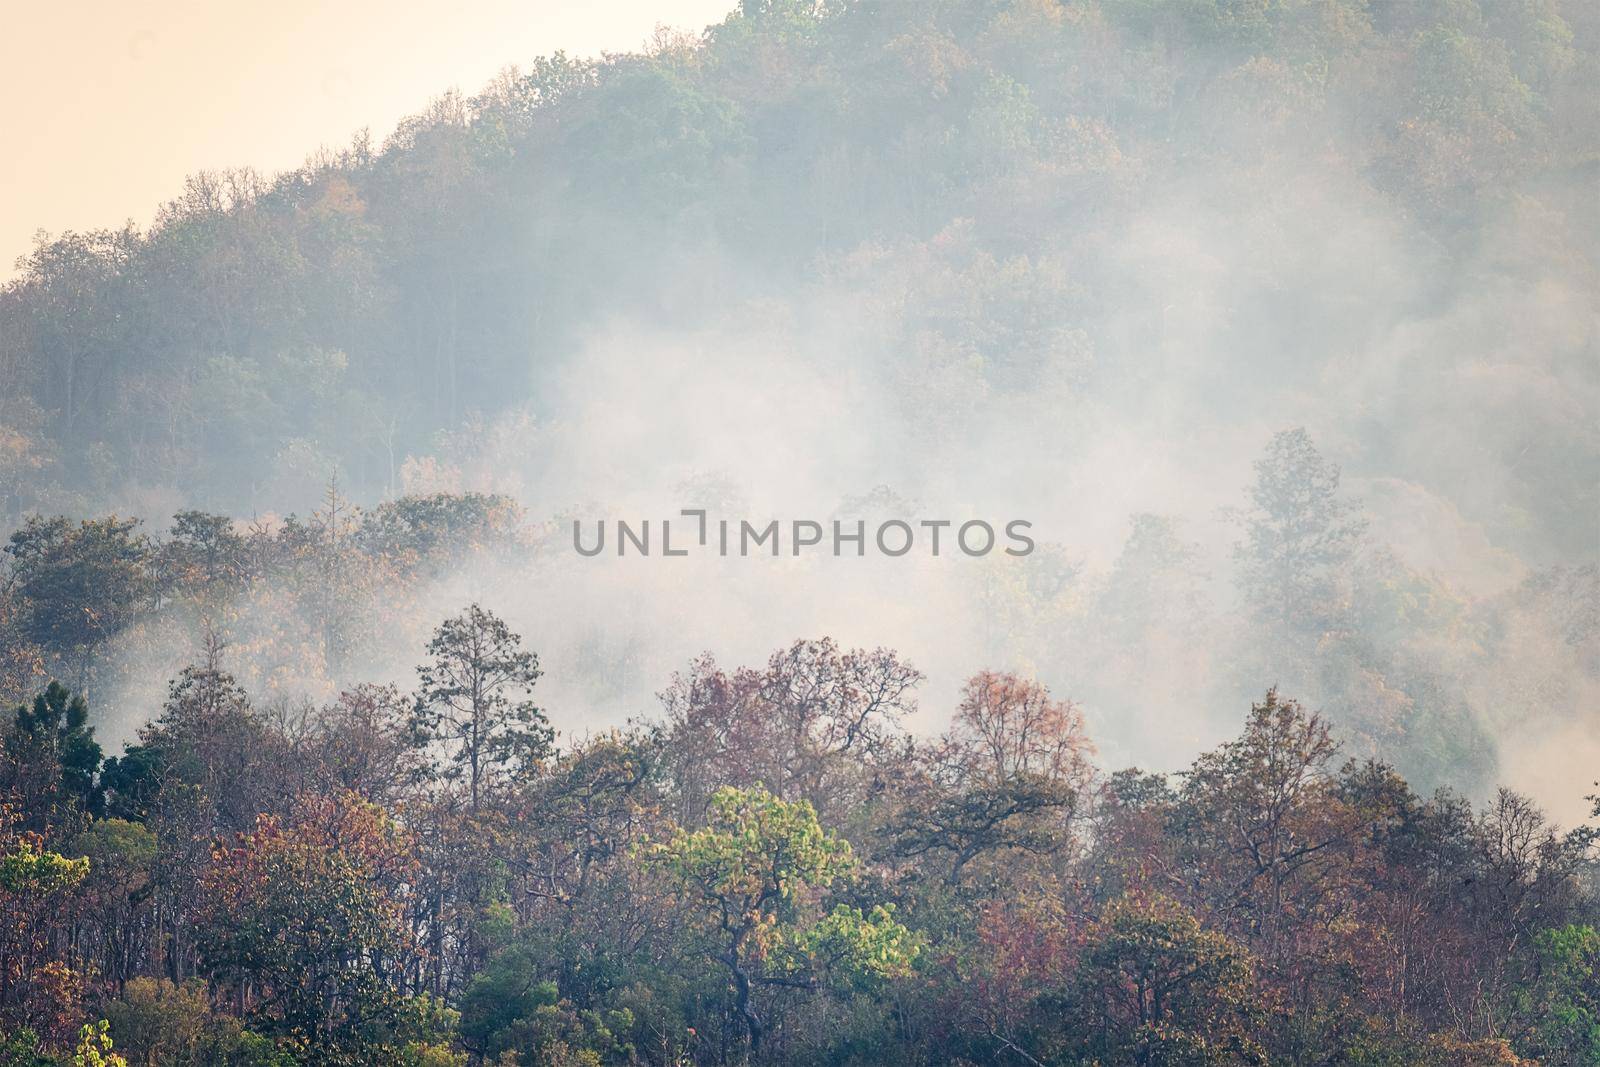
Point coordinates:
pixel 53 758
pixel 116 929
pixel 1157 988
pixel 80 584
pixel 1155 583
pixel 473 703
pixel 156 1022
pixel 583 815
pixel 508 1011
pixel 208 766
pixel 302 921
pixel 95 1047
pixel 1009 728
pixel 329 573
pixel 1300 537
pixel 1007 775
pixel 22 660
pixel 1261 825
pixel 818 723
pixel 1564 1000
pixel 423 533
pixel 754 872
pixel 203 557
pixel 209 743
pixel 78 316
pixel 363 742
pixel 38 986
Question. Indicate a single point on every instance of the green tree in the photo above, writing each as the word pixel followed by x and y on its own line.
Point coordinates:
pixel 754 873
pixel 1564 999
pixel 53 758
pixel 38 898
pixel 303 921
pixel 1157 988
pixel 95 1047
pixel 20 1048
pixel 114 928
pixel 80 584
pixel 508 1008
pixel 203 557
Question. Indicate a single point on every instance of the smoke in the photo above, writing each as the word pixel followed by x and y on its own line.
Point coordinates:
pixel 1132 356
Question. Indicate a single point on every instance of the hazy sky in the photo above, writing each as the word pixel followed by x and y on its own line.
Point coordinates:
pixel 113 103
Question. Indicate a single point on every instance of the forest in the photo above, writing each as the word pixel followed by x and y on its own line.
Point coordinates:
pixel 1278 321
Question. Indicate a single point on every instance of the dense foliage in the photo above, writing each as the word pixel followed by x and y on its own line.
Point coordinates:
pixel 244 885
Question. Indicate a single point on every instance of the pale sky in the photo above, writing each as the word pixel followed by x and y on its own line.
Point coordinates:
pixel 113 103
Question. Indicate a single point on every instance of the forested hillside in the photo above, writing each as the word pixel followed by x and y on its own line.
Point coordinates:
pixel 1073 263
pixel 1277 319
pixel 1236 202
